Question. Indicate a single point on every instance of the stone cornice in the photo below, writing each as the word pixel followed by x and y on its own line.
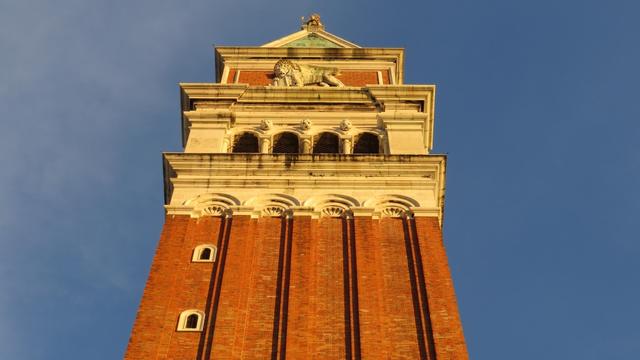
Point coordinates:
pixel 366 184
pixel 398 107
pixel 386 96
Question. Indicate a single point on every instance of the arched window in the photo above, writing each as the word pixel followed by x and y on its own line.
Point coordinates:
pixel 245 143
pixel 204 253
pixel 286 143
pixel 326 143
pixel 367 143
pixel 190 320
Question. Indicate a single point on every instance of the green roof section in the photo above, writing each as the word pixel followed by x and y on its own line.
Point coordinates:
pixel 312 41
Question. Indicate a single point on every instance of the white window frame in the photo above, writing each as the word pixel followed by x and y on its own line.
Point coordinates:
pixel 198 251
pixel 182 320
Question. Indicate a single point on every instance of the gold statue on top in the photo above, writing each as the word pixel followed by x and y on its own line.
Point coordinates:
pixel 312 23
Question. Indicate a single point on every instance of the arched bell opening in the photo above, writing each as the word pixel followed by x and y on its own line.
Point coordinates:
pixel 326 143
pixel 286 143
pixel 245 143
pixel 367 143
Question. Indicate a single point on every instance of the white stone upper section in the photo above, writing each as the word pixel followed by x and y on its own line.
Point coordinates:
pixel 312 185
pixel 309 124
pixel 401 116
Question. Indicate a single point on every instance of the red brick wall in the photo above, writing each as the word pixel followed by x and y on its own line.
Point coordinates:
pixel 386 77
pixel 315 326
pixel 387 319
pixel 325 289
pixel 231 77
pixel 174 284
pixel 445 318
pixel 244 323
pixel 358 78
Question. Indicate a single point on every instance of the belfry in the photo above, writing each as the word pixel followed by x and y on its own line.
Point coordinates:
pixel 304 216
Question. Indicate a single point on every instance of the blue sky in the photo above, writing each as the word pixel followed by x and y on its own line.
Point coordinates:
pixel 536 107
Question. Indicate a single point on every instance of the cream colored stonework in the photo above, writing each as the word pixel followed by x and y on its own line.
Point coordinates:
pixel 404 179
pixel 307 184
pixel 401 115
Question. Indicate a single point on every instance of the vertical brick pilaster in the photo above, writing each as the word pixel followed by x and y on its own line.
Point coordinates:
pixel 445 318
pixel 326 288
pixel 387 318
pixel 245 312
pixel 316 326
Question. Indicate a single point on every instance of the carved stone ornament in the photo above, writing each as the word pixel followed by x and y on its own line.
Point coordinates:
pixel 332 211
pixel 306 124
pixel 289 73
pixel 273 211
pixel 345 125
pixel 214 211
pixel 266 124
pixel 394 212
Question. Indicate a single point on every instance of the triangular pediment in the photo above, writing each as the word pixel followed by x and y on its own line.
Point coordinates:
pixel 311 39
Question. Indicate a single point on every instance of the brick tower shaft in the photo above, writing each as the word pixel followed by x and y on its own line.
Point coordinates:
pixel 303 219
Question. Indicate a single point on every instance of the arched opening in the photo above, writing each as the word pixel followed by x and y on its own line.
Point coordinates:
pixel 286 143
pixel 205 254
pixel 192 322
pixel 245 143
pixel 367 143
pixel 326 143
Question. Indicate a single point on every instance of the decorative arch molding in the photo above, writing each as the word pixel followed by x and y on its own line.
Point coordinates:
pixel 401 200
pixel 331 205
pixel 316 131
pixel 394 212
pixel 333 211
pixel 316 206
pixel 245 129
pixel 273 211
pixel 211 204
pixel 272 205
pixel 392 205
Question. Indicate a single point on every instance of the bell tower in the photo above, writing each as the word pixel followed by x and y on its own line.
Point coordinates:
pixel 304 216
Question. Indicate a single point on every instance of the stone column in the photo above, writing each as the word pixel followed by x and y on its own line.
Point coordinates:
pixel 306 145
pixel 226 145
pixel 265 144
pixel 346 146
